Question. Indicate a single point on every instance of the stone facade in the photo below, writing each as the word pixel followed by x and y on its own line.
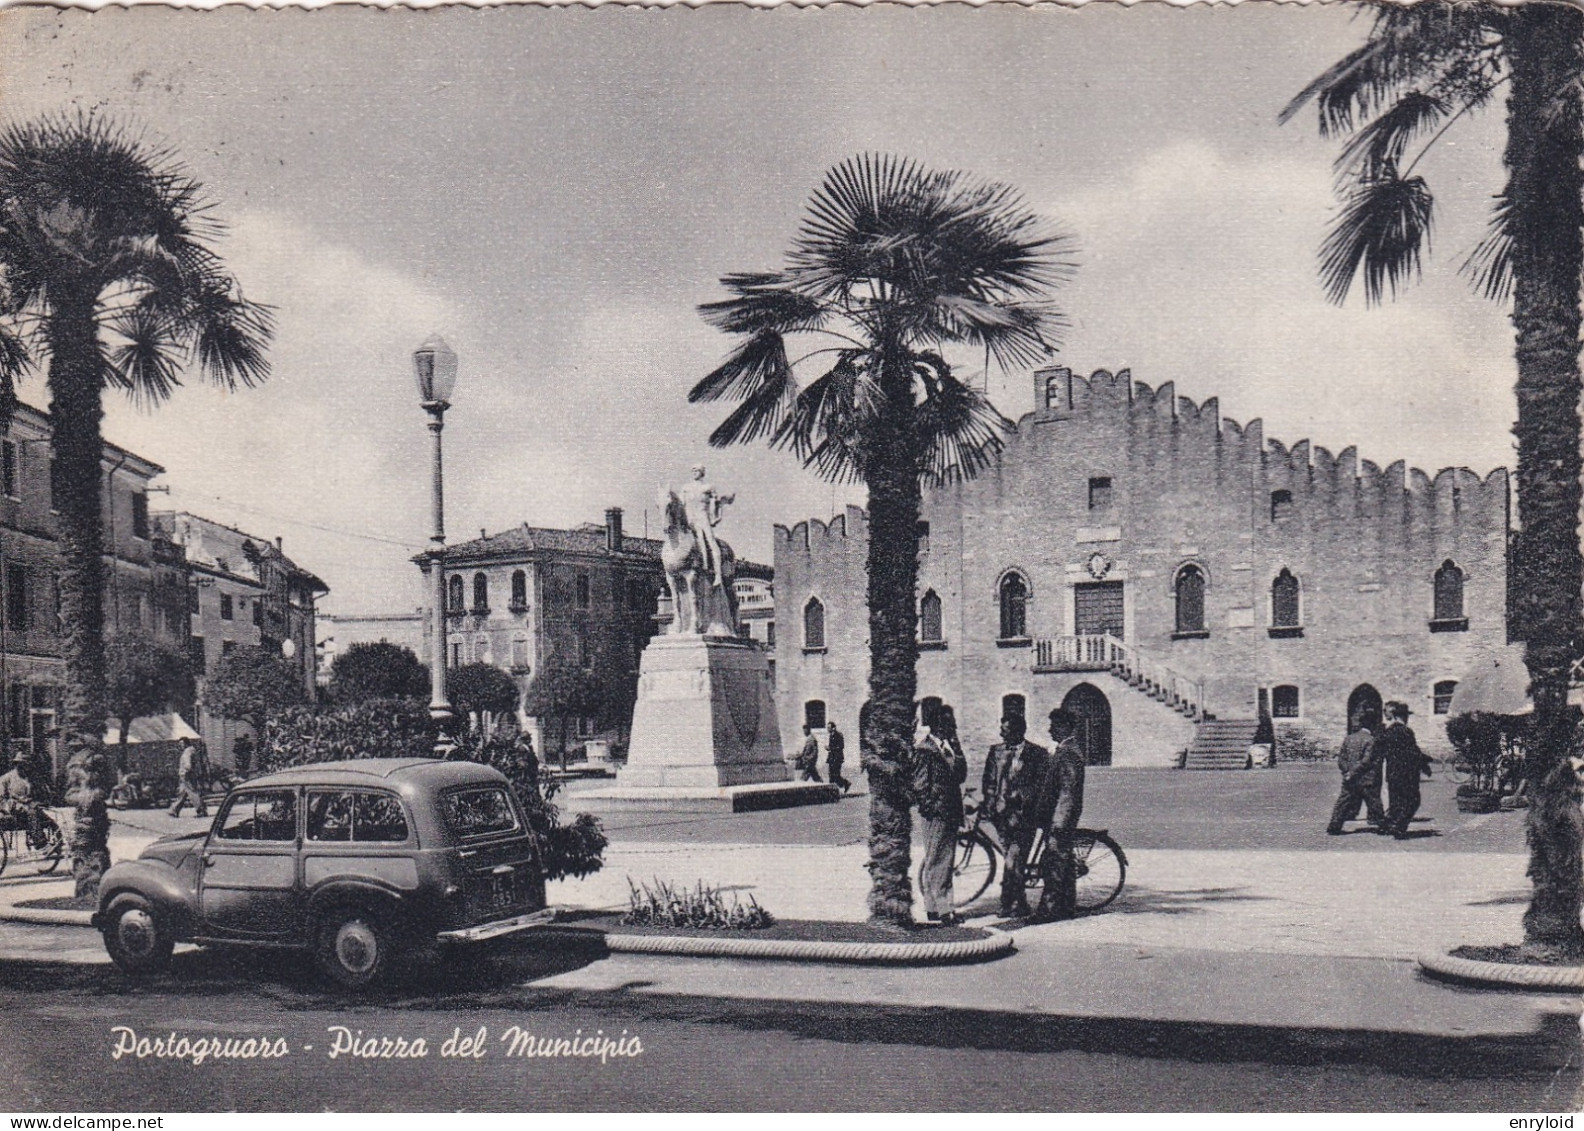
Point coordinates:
pixel 1172 564
pixel 516 598
pixel 242 590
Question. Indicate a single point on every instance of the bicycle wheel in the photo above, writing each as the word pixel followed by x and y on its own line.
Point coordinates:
pixel 52 851
pixel 1457 772
pixel 5 849
pixel 973 868
pixel 1101 868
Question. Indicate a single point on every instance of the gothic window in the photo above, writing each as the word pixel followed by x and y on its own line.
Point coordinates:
pixel 814 625
pixel 454 591
pixel 1442 699
pixel 480 593
pixel 1284 702
pixel 1190 590
pixel 1281 505
pixel 1448 597
pixel 930 618
pixel 519 590
pixel 1014 607
pixel 1284 600
pixel 1100 493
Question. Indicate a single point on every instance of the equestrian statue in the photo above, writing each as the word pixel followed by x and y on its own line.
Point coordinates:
pixel 699 567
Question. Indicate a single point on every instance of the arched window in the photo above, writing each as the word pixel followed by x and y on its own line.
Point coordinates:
pixel 930 618
pixel 1190 589
pixel 454 593
pixel 1284 702
pixel 814 625
pixel 814 714
pixel 1281 505
pixel 519 590
pixel 1057 388
pixel 1284 600
pixel 1442 698
pixel 480 593
pixel 1014 607
pixel 1449 592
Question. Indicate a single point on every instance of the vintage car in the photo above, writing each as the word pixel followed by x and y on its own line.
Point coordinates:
pixel 349 860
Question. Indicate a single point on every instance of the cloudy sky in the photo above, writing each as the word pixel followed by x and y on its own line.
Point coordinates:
pixel 555 191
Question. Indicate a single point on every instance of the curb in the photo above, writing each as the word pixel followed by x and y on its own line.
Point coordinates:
pixel 46 916
pixel 1565 978
pixel 811 950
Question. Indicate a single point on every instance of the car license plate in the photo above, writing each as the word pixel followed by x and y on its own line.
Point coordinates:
pixel 503 892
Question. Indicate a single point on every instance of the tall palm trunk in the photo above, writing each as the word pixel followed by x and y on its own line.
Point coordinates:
pixel 75 379
pixel 1543 191
pixel 894 502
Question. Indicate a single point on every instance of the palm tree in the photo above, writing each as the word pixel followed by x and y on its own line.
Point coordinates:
pixel 891 264
pixel 105 270
pixel 1421 70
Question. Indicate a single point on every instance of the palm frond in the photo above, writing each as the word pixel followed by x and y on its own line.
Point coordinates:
pixel 1379 145
pixel 763 302
pixel 830 418
pixel 958 428
pixel 758 362
pixel 14 361
pixel 143 362
pixel 1381 232
pixel 1489 267
pixel 230 335
pixel 1015 334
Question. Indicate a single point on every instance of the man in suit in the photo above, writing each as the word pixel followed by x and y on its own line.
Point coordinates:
pixel 1361 781
pixel 1015 791
pixel 939 770
pixel 1398 749
pixel 1063 810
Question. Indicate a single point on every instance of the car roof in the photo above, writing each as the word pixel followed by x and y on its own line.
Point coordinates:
pixel 372 771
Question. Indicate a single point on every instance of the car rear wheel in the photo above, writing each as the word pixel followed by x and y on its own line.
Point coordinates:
pixel 354 947
pixel 136 939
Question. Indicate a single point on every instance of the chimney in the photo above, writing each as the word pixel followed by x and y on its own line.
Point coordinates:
pixel 278 543
pixel 613 530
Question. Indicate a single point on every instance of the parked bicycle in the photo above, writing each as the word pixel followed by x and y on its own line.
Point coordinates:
pixel 43 849
pixel 1100 864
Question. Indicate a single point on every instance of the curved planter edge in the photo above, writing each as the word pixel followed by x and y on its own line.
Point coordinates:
pixel 812 950
pixel 1562 978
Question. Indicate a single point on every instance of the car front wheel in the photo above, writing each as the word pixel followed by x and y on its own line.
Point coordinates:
pixel 136 939
pixel 354 947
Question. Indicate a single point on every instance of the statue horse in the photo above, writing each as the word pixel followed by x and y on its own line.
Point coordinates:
pixel 699 606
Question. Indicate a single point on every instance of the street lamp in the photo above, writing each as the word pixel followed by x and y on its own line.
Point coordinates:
pixel 435 366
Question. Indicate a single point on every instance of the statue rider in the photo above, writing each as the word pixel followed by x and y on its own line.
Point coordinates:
pixel 703 505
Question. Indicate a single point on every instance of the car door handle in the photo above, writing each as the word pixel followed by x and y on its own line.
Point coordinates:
pixel 209 861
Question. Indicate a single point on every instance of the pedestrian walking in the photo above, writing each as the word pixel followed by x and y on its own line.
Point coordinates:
pixel 1398 750
pixel 939 770
pixel 835 756
pixel 1063 807
pixel 808 757
pixel 192 772
pixel 1014 789
pixel 1361 777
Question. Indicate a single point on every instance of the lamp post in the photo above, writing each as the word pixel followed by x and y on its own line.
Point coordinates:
pixel 435 366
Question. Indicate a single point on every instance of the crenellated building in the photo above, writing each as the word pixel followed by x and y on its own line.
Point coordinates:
pixel 1152 565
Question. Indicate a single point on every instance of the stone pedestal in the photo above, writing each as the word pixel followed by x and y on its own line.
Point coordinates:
pixel 704 731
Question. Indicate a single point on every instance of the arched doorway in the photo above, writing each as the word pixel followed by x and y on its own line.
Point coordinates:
pixel 1089 703
pixel 1365 698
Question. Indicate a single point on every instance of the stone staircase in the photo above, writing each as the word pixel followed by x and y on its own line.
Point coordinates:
pixel 1143 673
pixel 1221 744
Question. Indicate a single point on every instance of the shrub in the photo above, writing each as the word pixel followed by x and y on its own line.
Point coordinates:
pixel 1296 744
pixel 666 905
pixel 376 728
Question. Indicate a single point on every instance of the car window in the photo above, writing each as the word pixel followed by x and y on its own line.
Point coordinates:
pixel 479 811
pixel 267 814
pixel 352 815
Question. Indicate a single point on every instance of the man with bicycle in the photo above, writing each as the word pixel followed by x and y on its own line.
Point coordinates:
pixel 1014 790
pixel 17 801
pixel 1063 808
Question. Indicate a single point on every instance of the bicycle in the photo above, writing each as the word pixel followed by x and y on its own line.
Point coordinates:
pixel 1099 862
pixel 44 853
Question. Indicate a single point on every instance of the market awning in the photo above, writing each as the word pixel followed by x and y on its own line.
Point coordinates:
pixel 150 728
pixel 1496 684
